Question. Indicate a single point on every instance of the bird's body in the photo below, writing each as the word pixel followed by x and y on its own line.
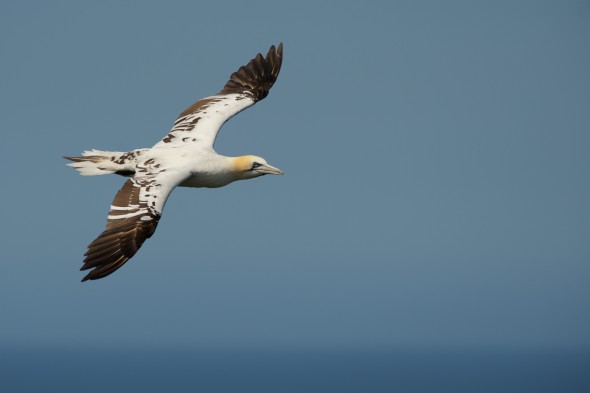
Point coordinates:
pixel 183 158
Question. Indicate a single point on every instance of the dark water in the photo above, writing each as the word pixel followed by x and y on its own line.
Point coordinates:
pixel 292 370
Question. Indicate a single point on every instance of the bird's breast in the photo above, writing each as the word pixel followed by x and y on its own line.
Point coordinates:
pixel 208 180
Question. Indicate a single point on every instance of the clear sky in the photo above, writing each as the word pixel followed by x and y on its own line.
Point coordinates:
pixel 436 188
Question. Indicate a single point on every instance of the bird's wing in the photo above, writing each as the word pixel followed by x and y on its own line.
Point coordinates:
pixel 200 122
pixel 132 219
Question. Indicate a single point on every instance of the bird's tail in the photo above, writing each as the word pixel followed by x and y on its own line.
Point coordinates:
pixel 98 162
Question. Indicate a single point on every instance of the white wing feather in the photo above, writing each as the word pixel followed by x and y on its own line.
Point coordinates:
pixel 199 124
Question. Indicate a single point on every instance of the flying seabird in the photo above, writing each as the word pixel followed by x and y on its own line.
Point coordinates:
pixel 184 158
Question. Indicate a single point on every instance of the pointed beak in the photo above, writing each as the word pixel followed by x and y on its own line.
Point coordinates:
pixel 269 170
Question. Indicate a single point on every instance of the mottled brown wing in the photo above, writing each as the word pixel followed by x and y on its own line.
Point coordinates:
pixel 133 218
pixel 200 122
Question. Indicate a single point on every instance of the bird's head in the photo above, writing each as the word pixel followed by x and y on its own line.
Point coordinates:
pixel 249 167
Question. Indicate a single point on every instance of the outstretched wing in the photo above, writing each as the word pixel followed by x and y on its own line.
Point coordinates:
pixel 132 219
pixel 200 122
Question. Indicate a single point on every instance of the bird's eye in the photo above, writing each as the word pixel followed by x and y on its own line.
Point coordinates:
pixel 256 165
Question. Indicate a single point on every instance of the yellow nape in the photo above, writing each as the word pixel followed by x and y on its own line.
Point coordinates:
pixel 243 163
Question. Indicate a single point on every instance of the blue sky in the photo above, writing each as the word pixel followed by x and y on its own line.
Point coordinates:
pixel 436 189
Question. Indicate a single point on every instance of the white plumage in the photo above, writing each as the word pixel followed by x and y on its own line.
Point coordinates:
pixel 185 157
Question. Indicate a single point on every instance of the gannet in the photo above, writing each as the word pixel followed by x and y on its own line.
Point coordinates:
pixel 183 158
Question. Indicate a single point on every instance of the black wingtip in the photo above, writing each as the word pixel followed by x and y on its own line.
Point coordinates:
pixel 88 274
pixel 258 76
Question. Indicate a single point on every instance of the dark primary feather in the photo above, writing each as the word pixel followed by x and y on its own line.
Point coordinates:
pixel 122 237
pixel 114 247
pixel 258 76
